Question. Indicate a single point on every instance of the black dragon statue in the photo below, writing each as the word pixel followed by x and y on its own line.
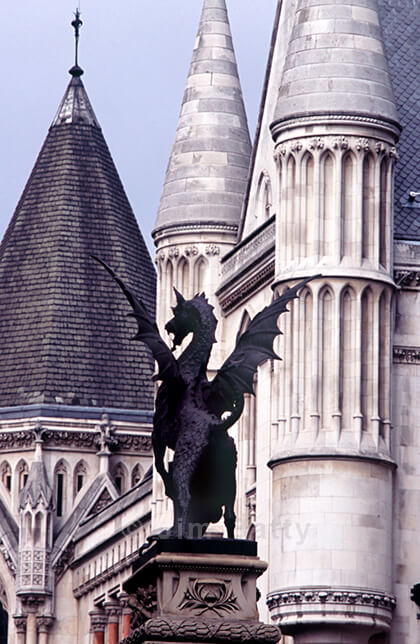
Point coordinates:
pixel 193 414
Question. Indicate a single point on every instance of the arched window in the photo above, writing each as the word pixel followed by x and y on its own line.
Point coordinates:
pixel 80 475
pixel 200 270
pixel 22 472
pixel 28 527
pixel 184 277
pixel 6 476
pixel 120 477
pixel 38 529
pixel 60 485
pixel 264 196
pixel 136 475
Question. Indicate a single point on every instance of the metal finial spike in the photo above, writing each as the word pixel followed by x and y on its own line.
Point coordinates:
pixel 76 24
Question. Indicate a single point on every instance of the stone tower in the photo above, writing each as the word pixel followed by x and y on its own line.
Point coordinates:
pixel 201 202
pixel 76 397
pixel 335 128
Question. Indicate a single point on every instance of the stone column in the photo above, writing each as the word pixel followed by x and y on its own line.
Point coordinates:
pixel 31 634
pixel 98 622
pixel 20 626
pixel 44 624
pixel 113 611
pixel 126 612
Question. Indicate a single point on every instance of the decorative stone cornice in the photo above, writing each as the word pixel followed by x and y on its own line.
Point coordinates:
pixel 332 595
pixel 258 279
pixel 177 229
pixel 334 143
pixel 197 630
pixel 328 118
pixel 82 439
pixel 407 278
pixel 408 355
pixel 294 608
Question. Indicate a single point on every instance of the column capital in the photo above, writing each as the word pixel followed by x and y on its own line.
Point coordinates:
pixel 44 623
pixel 113 610
pixel 20 623
pixel 98 620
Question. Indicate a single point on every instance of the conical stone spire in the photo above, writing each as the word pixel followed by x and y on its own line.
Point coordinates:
pixel 335 63
pixel 207 172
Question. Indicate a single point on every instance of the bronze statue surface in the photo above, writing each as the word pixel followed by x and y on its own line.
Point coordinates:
pixel 193 414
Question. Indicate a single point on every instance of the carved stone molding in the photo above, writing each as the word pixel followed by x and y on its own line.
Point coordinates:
pixel 405 277
pixel 173 252
pixel 408 355
pixel 81 439
pixel 64 561
pixel 212 249
pixel 7 558
pixel 294 609
pixel 337 143
pixel 44 623
pixel 209 596
pixel 98 620
pixel 191 251
pixel 341 142
pixel 20 623
pixel 196 630
pixel 264 276
pixel 323 596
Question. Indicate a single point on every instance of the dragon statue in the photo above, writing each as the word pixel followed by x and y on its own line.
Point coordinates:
pixel 193 414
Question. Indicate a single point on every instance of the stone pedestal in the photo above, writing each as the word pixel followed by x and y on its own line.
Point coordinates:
pixel 198 591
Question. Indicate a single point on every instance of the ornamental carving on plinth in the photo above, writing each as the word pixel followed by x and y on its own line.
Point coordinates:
pixel 197 630
pixel 209 596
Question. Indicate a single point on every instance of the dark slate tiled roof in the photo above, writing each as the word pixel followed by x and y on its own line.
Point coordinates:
pixel 401 27
pixel 64 334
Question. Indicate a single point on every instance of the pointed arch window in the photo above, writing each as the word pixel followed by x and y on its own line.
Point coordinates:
pixel 60 484
pixel 264 196
pixel 120 477
pixel 6 476
pixel 136 475
pixel 80 476
pixel 22 472
pixel 200 274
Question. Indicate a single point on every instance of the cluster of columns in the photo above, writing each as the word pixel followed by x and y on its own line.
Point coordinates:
pixel 32 629
pixel 113 617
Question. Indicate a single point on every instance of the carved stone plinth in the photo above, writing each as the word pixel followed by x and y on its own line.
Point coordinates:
pixel 201 591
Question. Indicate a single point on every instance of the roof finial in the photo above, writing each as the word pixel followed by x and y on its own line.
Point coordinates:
pixel 76 24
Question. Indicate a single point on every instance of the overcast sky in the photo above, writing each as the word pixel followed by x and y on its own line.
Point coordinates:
pixel 136 55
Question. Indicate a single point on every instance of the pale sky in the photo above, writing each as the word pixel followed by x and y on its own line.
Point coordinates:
pixel 136 55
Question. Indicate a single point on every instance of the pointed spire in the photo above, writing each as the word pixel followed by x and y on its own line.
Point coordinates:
pixel 208 167
pixel 335 63
pixel 37 487
pixel 63 339
pixel 76 24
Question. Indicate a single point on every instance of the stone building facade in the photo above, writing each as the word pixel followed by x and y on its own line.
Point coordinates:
pixel 328 448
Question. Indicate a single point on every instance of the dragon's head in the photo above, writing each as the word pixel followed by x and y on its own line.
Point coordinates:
pixel 189 317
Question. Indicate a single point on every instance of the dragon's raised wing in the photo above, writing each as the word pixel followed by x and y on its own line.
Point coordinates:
pixel 148 332
pixel 235 378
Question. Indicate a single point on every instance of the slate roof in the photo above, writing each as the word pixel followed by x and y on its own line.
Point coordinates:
pixel 64 335
pixel 400 21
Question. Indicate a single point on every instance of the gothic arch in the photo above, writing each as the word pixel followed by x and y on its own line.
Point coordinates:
pixel 264 196
pixel 61 481
pixel 6 475
pixel 183 277
pixel 137 474
pixel 21 474
pixel 120 476
pixel 200 270
pixel 244 323
pixel 79 476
